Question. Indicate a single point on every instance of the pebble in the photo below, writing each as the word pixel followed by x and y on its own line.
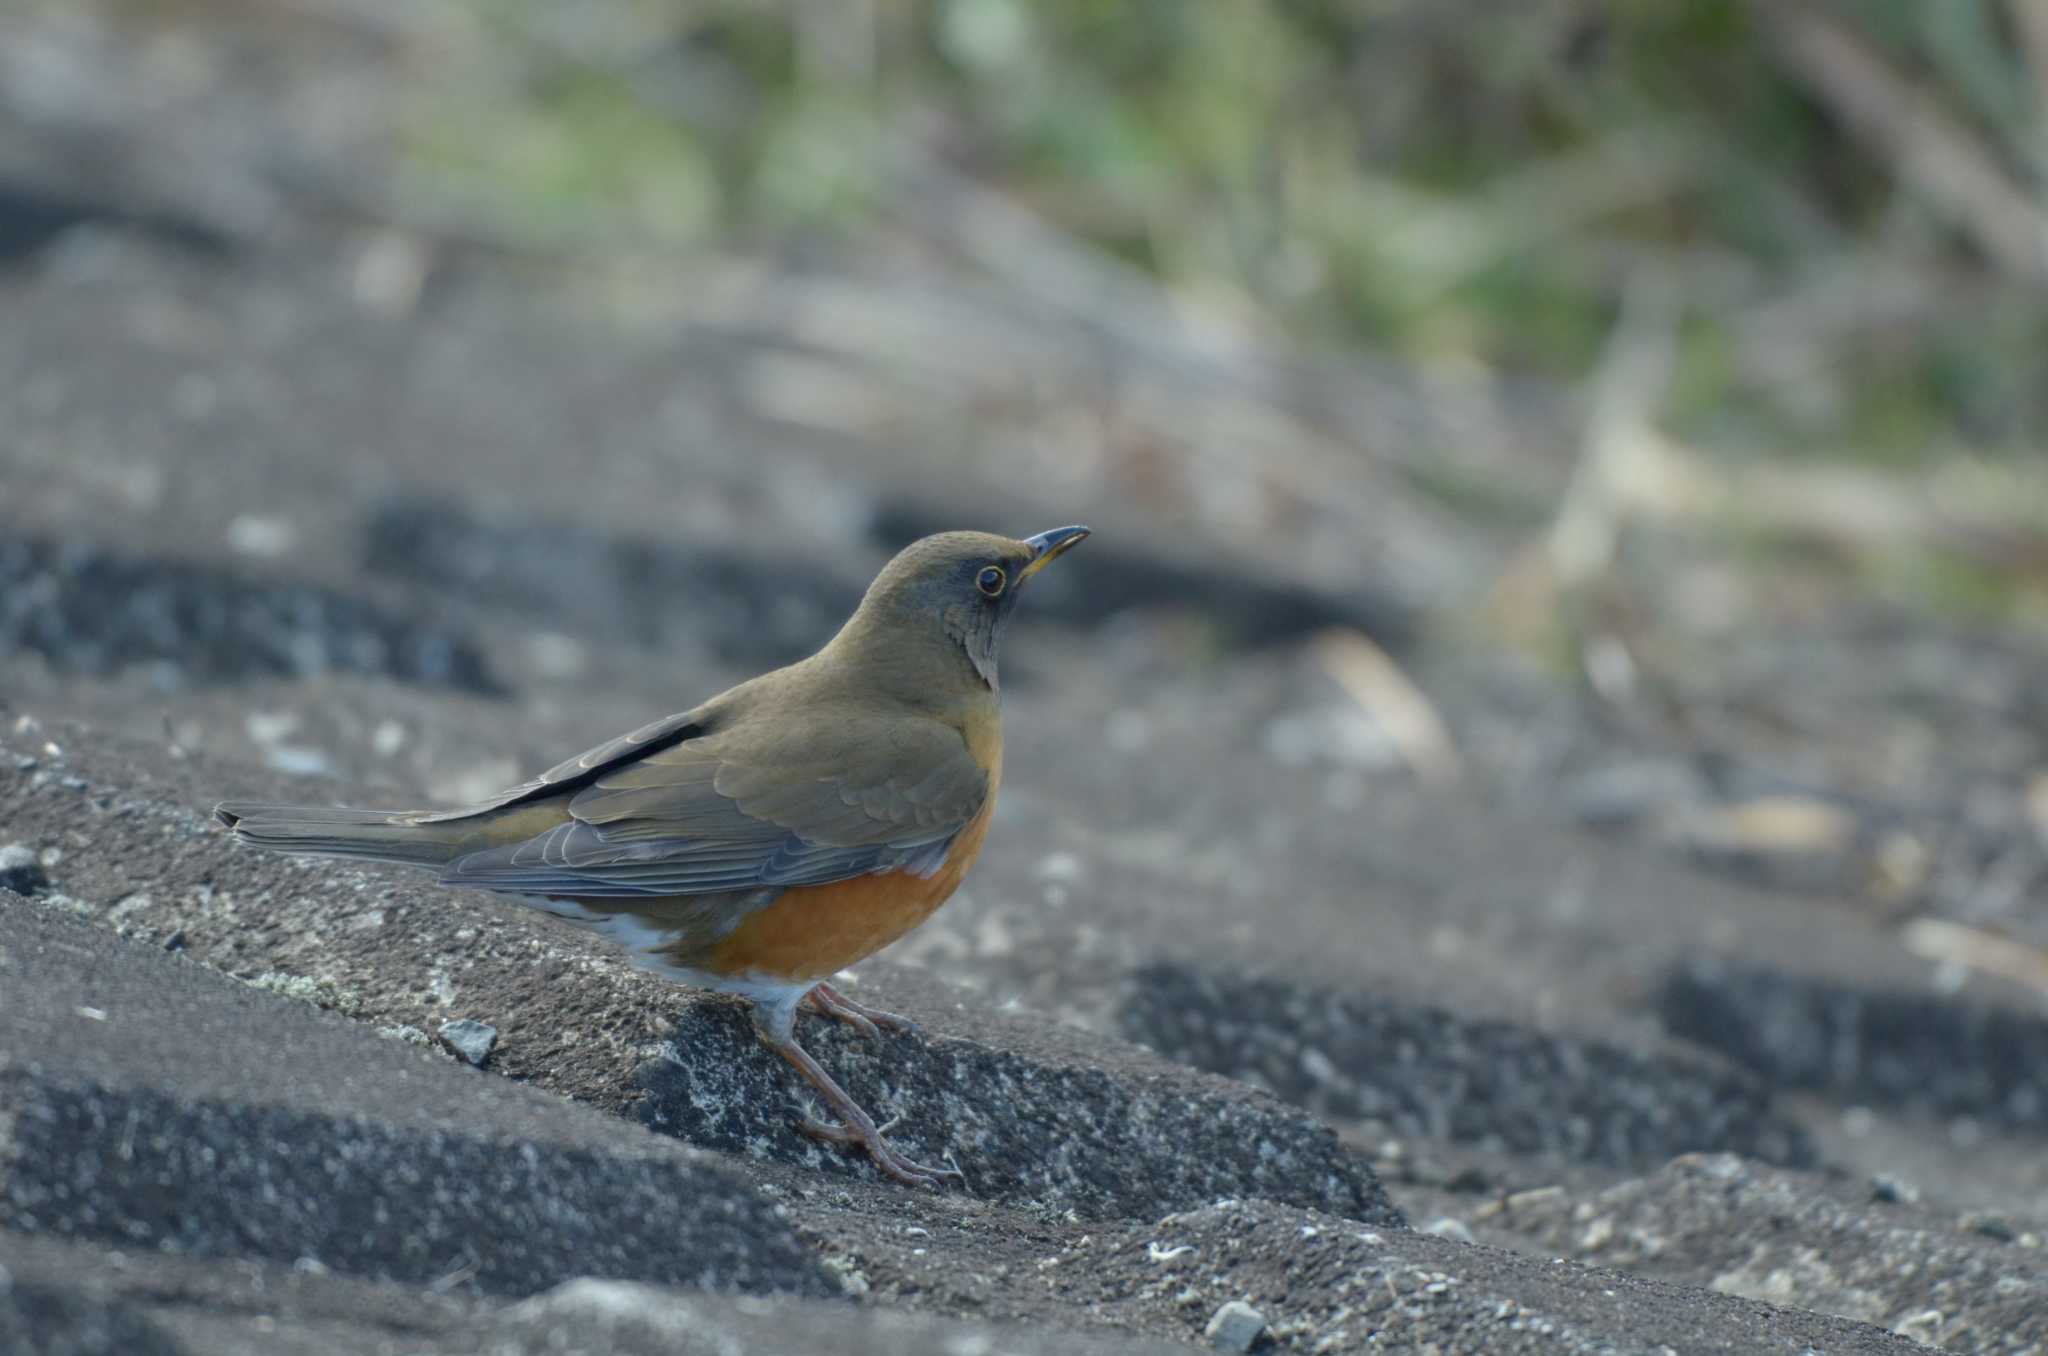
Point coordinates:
pixel 22 871
pixel 471 1039
pixel 1990 1225
pixel 265 538
pixel 1236 1327
pixel 1448 1227
pixel 1892 1191
pixel 388 738
pixel 1625 795
pixel 1924 1327
pixel 298 760
pixel 555 656
pixel 270 727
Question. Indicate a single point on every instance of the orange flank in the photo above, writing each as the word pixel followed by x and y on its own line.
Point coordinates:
pixel 814 931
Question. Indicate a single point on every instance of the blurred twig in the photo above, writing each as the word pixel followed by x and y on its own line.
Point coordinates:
pixel 1993 514
pixel 2030 25
pixel 1958 944
pixel 1441 243
pixel 1621 458
pixel 1935 154
pixel 1402 710
pixel 1789 343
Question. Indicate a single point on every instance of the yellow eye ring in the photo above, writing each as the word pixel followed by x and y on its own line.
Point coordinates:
pixel 992 581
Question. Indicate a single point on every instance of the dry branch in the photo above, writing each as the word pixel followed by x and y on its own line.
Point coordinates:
pixel 1935 154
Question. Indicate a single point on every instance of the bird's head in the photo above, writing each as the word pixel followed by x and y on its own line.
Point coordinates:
pixel 948 596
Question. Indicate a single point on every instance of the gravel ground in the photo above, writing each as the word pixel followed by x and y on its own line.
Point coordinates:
pixel 1233 1000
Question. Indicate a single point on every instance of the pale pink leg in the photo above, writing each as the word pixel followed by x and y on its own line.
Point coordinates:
pixel 775 1025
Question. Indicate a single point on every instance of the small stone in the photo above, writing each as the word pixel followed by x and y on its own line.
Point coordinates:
pixel 1990 1225
pixel 297 760
pixel 1626 795
pixel 1445 1226
pixel 1317 1065
pixel 270 727
pixel 589 1304
pixel 1060 866
pixel 1924 1327
pixel 470 1039
pixel 388 738
pixel 264 538
pixel 1236 1327
pixel 846 1270
pixel 22 871
pixel 556 656
pixel 1892 1191
pixel 129 904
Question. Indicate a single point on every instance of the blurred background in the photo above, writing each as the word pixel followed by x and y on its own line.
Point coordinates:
pixel 1627 414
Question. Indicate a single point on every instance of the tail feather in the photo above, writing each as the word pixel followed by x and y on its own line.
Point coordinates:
pixel 318 831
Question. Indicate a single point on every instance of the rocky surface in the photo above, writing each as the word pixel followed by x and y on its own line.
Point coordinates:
pixel 146 1114
pixel 1971 1283
pixel 1243 984
pixel 1414 1071
pixel 155 1104
pixel 94 611
pixel 1868 1046
pixel 1325 1284
pixel 68 1299
pixel 1049 1117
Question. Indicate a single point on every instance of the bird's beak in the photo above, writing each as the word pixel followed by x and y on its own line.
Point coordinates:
pixel 1046 545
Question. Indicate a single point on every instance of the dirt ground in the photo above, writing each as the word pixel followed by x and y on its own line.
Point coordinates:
pixel 1565 1052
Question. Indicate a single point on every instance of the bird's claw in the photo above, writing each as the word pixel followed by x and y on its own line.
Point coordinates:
pixel 891 1160
pixel 859 1021
pixel 870 1022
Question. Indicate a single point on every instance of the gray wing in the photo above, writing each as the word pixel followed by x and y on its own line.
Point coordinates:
pixel 813 801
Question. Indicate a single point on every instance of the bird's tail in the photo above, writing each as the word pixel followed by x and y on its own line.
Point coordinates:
pixel 316 831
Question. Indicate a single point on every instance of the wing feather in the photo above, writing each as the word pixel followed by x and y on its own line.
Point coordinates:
pixel 581 770
pixel 837 796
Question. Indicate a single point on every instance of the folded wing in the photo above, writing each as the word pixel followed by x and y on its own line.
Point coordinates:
pixel 809 802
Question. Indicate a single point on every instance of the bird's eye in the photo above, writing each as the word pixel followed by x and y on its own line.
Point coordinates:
pixel 991 581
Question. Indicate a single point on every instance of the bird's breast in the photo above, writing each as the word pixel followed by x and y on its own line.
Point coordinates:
pixel 812 932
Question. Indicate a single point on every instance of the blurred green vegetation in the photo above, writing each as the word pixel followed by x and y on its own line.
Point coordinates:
pixel 1448 181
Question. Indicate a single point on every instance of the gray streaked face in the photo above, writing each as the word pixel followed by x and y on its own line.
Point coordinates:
pixel 959 588
pixel 965 584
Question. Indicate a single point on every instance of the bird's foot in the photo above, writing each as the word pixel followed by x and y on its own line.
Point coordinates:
pixel 870 1022
pixel 893 1162
pixel 855 1125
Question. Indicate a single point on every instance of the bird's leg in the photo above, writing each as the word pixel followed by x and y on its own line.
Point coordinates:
pixel 775 1026
pixel 857 1126
pixel 870 1022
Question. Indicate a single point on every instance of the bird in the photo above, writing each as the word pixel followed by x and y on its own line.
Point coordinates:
pixel 765 840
